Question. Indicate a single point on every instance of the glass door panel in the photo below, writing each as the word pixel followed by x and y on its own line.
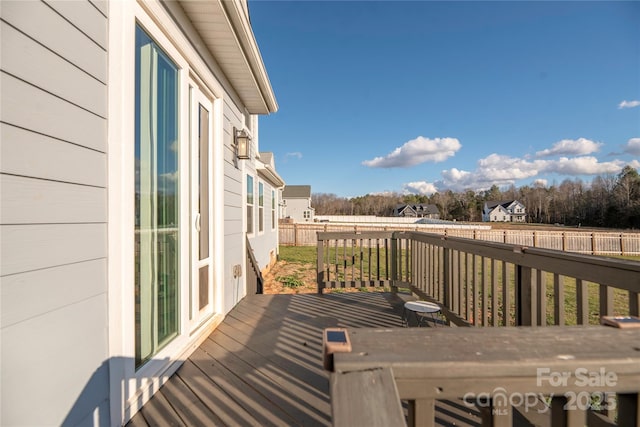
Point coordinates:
pixel 201 239
pixel 156 229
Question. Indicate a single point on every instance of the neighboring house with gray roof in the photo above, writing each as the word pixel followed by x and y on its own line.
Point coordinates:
pixel 420 210
pixel 297 203
pixel 504 211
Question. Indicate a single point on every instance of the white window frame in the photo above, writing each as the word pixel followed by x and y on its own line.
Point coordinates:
pixel 260 207
pixel 250 206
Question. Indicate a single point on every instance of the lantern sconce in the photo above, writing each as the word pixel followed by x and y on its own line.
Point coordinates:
pixel 243 142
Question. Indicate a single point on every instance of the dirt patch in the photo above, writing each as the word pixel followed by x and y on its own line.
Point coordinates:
pixel 302 277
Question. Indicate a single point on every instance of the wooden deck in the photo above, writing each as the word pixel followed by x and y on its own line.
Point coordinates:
pixel 263 365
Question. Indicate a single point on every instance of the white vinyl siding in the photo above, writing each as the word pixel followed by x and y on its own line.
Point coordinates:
pixel 53 209
pixel 273 210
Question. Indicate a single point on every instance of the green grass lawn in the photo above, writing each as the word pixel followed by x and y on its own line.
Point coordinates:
pixel 299 254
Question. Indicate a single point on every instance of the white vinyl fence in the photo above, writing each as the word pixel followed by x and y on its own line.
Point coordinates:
pixel 584 242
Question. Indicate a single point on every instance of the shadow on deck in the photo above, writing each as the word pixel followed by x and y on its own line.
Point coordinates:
pixel 263 364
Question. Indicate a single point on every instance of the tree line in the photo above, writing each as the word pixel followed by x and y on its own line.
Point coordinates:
pixel 611 201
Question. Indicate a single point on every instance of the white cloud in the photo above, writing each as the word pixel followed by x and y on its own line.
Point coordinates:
pixel 456 174
pixel 633 147
pixel 458 180
pixel 503 170
pixel 416 151
pixel 168 182
pixel 540 183
pixel 169 176
pixel 569 147
pixel 586 165
pixel 420 187
pixel 496 167
pixel 628 104
pixel 296 154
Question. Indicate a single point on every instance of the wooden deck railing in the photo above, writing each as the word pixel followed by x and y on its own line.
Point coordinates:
pixel 479 283
pixel 483 283
pixel 361 259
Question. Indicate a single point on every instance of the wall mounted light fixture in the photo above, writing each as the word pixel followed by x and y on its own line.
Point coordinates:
pixel 243 143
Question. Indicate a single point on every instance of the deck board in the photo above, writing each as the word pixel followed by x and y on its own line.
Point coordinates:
pixel 263 364
pixel 266 380
pixel 265 409
pixel 159 412
pixel 219 398
pixel 188 405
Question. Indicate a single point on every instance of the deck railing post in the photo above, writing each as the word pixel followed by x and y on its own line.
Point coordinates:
pixel 320 265
pixel 634 303
pixel 628 409
pixel 446 279
pixel 394 261
pixel 562 417
pixel 582 302
pixel 496 413
pixel 525 295
pixel 413 270
pixel 422 412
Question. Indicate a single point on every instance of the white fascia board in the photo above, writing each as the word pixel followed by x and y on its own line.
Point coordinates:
pixel 240 20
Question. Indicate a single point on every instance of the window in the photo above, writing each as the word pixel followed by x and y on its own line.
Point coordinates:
pixel 306 215
pixel 260 207
pixel 273 209
pixel 156 231
pixel 249 204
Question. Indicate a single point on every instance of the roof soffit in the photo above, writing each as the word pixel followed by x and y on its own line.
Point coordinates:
pixel 224 28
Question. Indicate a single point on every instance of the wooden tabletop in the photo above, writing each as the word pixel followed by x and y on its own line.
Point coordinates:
pixel 516 356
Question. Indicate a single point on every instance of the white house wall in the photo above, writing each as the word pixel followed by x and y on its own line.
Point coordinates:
pixel 53 232
pixel 234 222
pixel 66 223
pixel 265 243
pixel 295 209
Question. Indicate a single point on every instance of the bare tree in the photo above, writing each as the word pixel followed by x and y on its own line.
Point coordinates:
pixel 610 201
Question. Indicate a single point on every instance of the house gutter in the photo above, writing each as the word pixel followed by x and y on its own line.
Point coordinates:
pixel 239 19
pixel 271 175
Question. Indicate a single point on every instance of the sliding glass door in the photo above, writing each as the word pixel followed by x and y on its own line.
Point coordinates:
pixel 157 200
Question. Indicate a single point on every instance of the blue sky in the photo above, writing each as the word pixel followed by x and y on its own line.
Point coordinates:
pixel 425 96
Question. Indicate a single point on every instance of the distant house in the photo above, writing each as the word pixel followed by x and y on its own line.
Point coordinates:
pixel 504 211
pixel 420 210
pixel 297 203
